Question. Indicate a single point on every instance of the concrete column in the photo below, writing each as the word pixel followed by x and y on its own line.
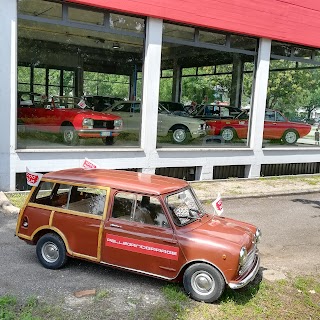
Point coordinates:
pixel 260 87
pixel 237 80
pixel 150 84
pixel 176 82
pixel 204 173
pixel 8 92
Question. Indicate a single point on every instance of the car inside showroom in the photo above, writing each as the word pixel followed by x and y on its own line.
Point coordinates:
pixel 159 89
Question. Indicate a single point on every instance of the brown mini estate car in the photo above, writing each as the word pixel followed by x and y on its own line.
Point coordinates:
pixel 144 223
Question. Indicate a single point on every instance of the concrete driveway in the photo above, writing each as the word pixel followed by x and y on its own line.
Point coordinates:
pixel 290 244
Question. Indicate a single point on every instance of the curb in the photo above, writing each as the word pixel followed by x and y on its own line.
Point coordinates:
pixel 262 195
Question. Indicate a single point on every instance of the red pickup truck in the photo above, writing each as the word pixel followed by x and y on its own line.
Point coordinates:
pixel 68 116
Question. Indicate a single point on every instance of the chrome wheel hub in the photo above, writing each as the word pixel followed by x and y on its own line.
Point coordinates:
pixel 179 135
pixel 50 252
pixel 227 134
pixel 202 282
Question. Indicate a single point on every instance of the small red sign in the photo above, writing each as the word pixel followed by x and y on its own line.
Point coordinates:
pixel 32 178
pixel 140 246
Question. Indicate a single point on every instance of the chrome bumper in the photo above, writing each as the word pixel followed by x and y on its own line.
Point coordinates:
pixel 248 278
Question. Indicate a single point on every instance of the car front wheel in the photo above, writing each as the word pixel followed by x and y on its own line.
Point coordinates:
pixel 180 134
pixel 203 282
pixel 228 134
pixel 51 251
pixel 70 136
pixel 290 137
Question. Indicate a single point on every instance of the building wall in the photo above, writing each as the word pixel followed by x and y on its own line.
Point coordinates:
pixel 292 21
pixel 147 157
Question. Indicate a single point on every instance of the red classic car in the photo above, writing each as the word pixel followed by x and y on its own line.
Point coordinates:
pixel 276 127
pixel 68 116
pixel 143 223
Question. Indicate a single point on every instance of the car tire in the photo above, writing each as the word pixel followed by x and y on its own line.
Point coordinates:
pixel 70 136
pixel 203 282
pixel 290 136
pixel 228 134
pixel 180 134
pixel 51 251
pixel 108 141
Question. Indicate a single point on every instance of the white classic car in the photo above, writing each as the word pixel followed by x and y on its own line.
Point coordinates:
pixel 182 129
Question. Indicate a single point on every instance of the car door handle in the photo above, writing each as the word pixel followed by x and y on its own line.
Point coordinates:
pixel 115 226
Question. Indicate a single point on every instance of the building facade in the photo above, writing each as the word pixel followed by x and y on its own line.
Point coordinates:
pixel 62 61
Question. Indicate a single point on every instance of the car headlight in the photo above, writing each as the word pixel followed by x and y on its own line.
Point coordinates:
pixel 87 123
pixel 118 123
pixel 243 256
pixel 258 235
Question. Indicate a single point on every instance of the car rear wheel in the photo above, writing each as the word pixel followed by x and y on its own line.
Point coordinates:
pixel 108 141
pixel 70 136
pixel 51 251
pixel 203 282
pixel 290 137
pixel 228 134
pixel 180 134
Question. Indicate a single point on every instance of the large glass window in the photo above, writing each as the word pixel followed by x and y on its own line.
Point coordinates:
pixel 293 101
pixel 90 55
pixel 206 82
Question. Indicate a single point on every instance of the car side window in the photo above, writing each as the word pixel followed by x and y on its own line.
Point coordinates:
pixel 280 117
pixel 123 206
pixel 89 200
pixel 269 116
pixel 139 208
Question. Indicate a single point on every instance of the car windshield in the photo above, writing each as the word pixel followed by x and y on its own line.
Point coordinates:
pixel 162 109
pixel 244 115
pixel 184 207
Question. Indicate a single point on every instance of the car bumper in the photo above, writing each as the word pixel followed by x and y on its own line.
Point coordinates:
pixel 242 282
pixel 199 133
pixel 97 133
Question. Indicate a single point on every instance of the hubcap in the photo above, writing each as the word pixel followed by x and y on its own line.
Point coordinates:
pixel 179 135
pixel 68 135
pixel 227 134
pixel 50 252
pixel 202 282
pixel 291 137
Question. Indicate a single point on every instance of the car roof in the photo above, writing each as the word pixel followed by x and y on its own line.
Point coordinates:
pixel 119 179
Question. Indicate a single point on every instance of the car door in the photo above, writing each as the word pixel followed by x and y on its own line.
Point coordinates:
pixel 78 215
pixel 130 114
pixel 140 238
pixel 273 128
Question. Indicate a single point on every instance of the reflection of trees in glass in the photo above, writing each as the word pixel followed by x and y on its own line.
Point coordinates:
pixel 23 78
pixel 106 84
pixel 293 87
pixel 216 87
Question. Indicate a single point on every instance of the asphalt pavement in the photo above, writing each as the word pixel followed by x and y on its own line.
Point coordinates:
pixel 290 245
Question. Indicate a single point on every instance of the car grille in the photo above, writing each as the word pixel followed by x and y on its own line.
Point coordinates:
pixel 250 260
pixel 103 124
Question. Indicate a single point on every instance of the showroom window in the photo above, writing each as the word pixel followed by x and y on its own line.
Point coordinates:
pixel 206 82
pixel 293 97
pixel 74 64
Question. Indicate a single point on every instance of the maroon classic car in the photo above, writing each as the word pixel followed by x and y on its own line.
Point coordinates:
pixel 143 223
pixel 68 116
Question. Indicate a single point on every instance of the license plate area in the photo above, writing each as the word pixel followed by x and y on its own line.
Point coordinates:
pixel 105 134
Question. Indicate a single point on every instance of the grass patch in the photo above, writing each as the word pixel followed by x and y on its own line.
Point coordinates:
pixel 293 298
pixel 17 199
